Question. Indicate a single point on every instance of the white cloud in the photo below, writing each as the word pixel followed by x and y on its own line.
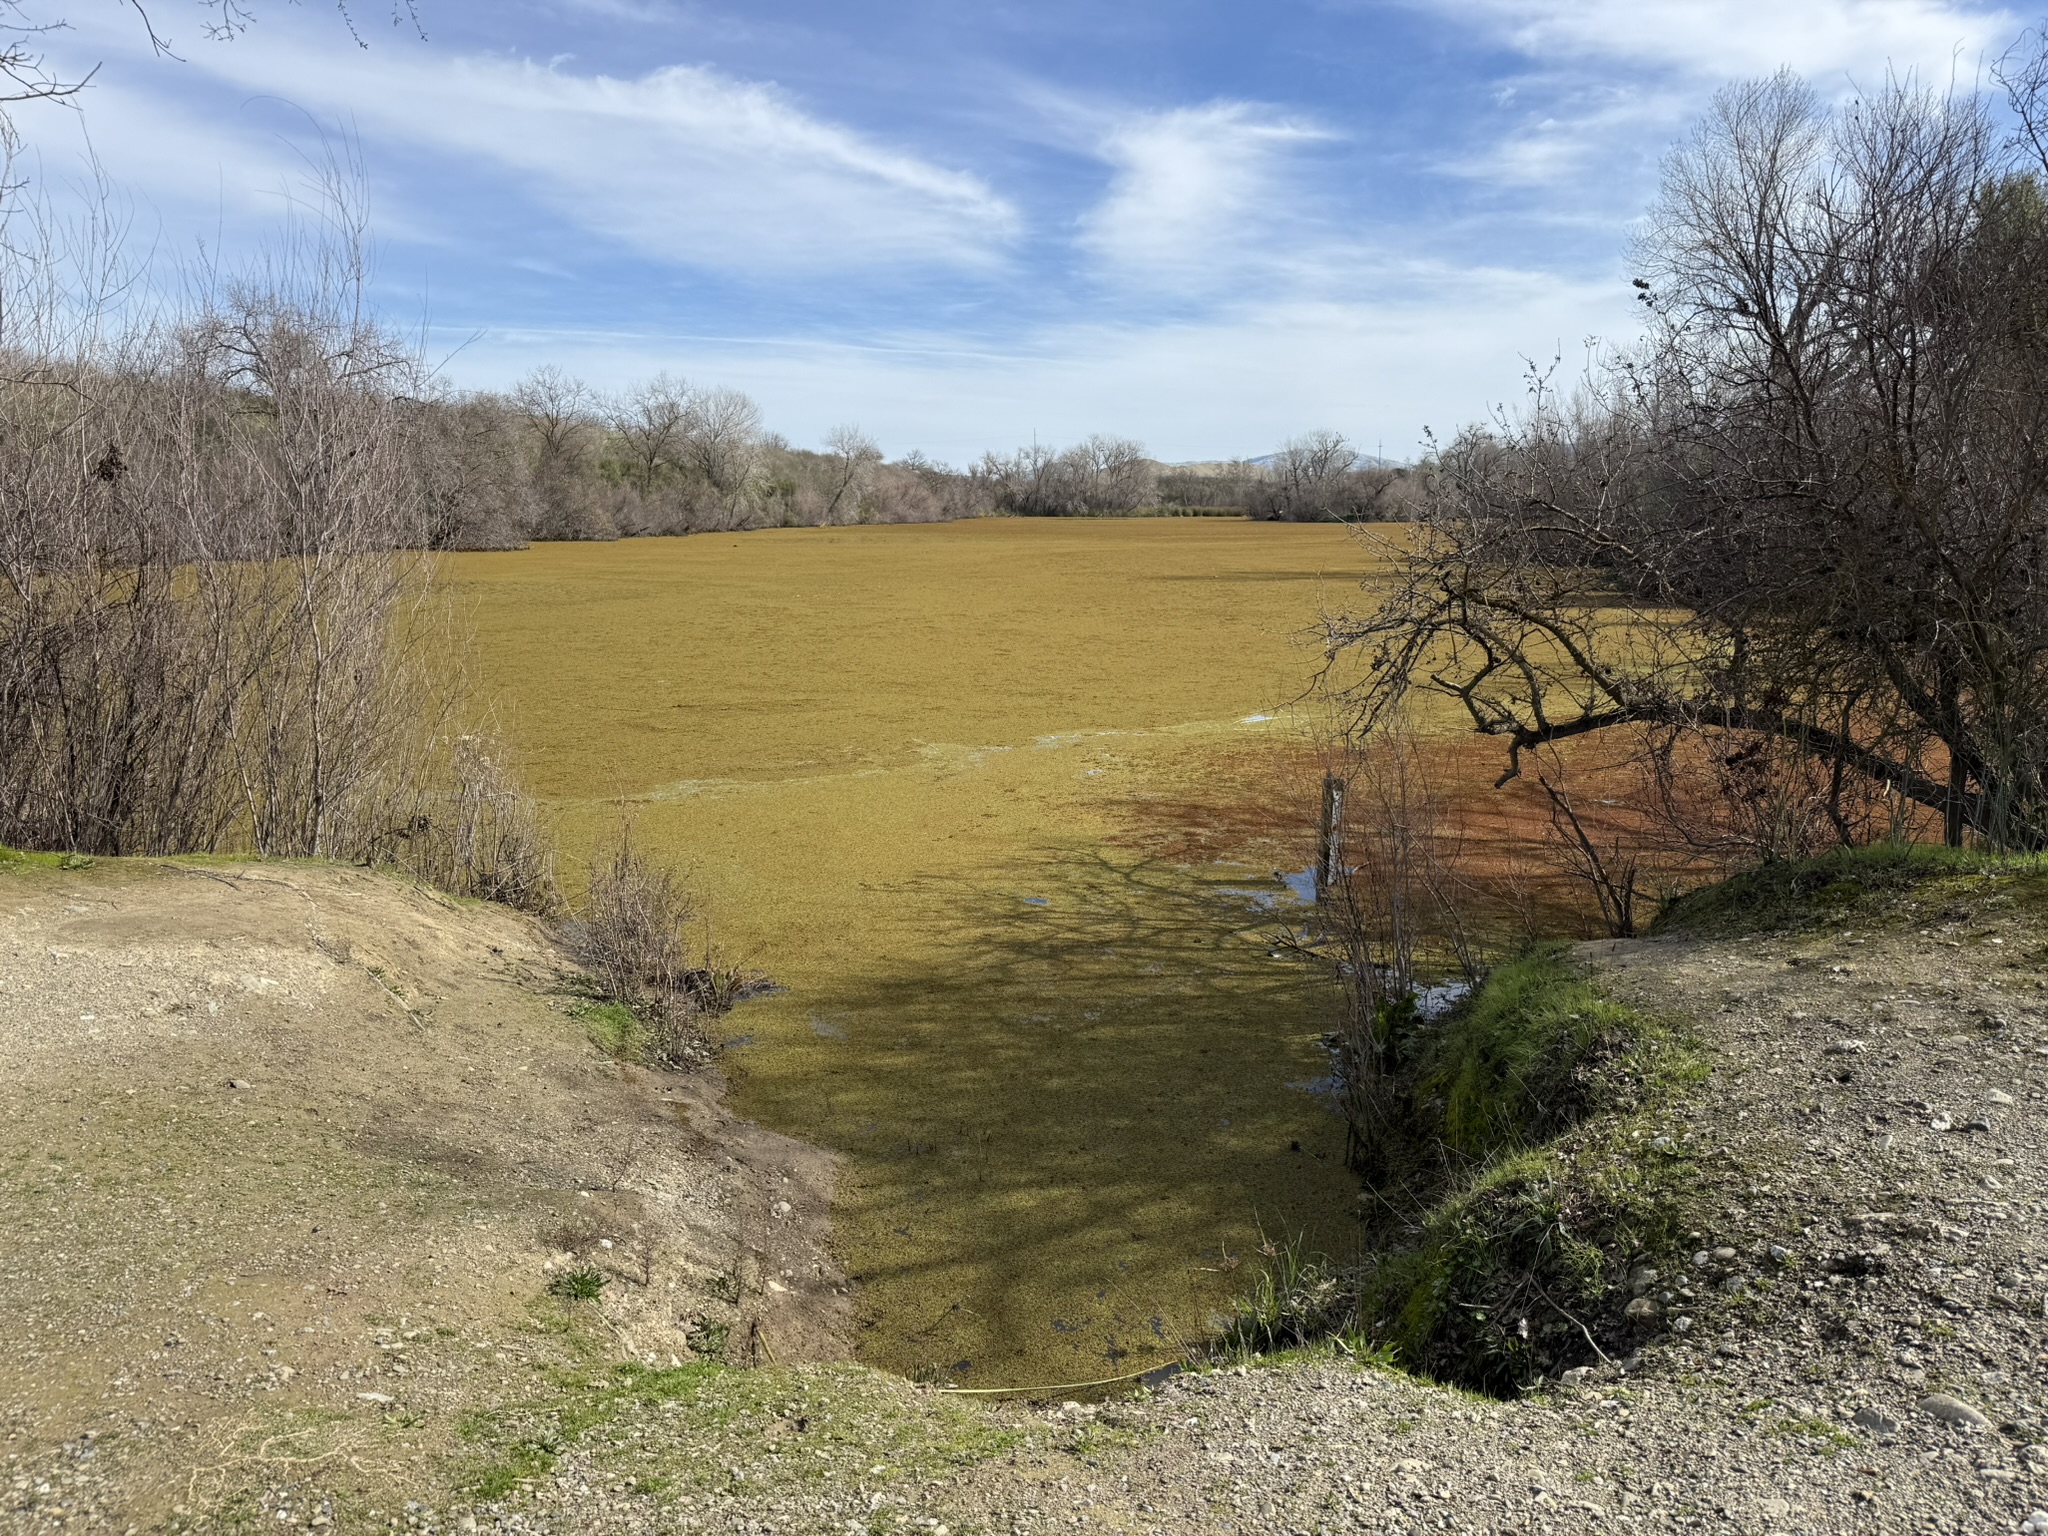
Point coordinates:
pixel 1719 39
pixel 683 164
pixel 1198 194
pixel 1612 81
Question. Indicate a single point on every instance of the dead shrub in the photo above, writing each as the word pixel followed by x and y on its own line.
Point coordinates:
pixel 633 933
pixel 1390 909
pixel 482 836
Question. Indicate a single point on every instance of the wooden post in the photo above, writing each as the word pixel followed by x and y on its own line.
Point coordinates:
pixel 1329 839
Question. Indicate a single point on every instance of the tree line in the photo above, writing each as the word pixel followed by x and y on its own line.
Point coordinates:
pixel 552 458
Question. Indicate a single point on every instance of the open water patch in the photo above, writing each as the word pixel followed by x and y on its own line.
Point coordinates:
pixel 1300 884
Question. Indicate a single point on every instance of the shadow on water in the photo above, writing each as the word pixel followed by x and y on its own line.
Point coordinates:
pixel 1067 1123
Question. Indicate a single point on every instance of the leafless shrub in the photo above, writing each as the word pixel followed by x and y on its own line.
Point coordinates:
pixel 1395 907
pixel 480 836
pixel 633 932
pixel 1606 860
pixel 209 557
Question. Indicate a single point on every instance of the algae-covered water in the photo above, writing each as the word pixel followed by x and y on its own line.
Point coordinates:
pixel 1000 806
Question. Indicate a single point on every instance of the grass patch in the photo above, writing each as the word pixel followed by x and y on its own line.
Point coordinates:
pixel 1863 883
pixel 1537 1050
pixel 22 859
pixel 613 1027
pixel 1523 1269
pixel 1297 1300
pixel 1536 1105
pixel 689 1427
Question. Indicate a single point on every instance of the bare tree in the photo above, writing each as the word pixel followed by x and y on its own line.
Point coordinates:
pixel 1114 474
pixel 1309 470
pixel 723 446
pixel 564 430
pixel 1811 506
pixel 853 456
pixel 653 421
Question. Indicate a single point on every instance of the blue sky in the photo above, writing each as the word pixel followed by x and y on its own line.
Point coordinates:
pixel 1207 225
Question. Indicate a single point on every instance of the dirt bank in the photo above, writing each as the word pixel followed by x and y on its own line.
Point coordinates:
pixel 290 1157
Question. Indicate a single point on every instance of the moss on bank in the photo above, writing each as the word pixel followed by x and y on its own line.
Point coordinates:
pixel 1536 1102
pixel 1863 884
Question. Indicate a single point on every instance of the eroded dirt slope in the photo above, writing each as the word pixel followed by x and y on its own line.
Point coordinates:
pixel 289 1158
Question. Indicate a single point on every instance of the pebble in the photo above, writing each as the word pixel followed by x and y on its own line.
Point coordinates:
pixel 1952 1410
pixel 1999 1096
pixel 1876 1420
pixel 1643 1309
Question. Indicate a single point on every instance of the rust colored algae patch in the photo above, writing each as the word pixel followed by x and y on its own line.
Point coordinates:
pixel 908 768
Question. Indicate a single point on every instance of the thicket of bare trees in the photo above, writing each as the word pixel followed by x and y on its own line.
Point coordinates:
pixel 1100 475
pixel 205 524
pixel 1318 477
pixel 554 459
pixel 1791 545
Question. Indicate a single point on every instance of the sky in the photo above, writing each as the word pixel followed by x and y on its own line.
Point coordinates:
pixel 1209 225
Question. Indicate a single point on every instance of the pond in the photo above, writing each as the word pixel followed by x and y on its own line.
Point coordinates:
pixel 1009 810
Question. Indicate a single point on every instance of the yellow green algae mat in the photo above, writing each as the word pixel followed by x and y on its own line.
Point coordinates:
pixel 918 776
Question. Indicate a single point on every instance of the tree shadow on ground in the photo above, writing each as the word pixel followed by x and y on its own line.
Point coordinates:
pixel 1067 1123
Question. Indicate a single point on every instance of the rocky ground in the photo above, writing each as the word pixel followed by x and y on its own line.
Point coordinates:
pixel 1854 1343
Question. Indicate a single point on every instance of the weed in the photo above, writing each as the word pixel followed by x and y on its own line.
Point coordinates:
pixel 1295 1299
pixel 707 1339
pixel 580 1284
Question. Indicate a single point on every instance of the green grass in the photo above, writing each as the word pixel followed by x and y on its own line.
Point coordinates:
pixel 614 1028
pixel 687 1427
pixel 1537 1050
pixel 583 1284
pixel 20 859
pixel 1859 883
pixel 1297 1299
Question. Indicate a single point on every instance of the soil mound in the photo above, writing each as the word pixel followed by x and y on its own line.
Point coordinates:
pixel 300 1164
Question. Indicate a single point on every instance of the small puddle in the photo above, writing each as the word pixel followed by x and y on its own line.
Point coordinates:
pixel 1299 884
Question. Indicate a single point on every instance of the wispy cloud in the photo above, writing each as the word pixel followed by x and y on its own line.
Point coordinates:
pixel 1198 194
pixel 683 164
pixel 1608 82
